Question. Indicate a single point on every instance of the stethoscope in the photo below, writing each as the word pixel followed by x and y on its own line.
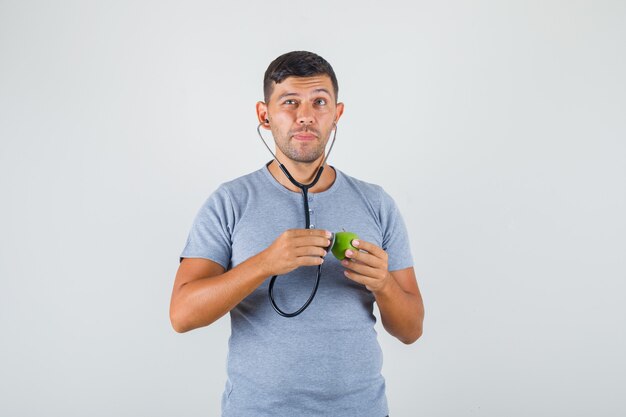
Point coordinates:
pixel 305 192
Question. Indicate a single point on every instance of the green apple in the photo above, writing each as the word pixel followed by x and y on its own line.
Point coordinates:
pixel 342 242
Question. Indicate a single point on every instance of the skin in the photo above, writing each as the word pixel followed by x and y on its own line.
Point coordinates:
pixel 301 106
pixel 301 112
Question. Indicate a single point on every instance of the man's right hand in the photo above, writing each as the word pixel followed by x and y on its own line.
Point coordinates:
pixel 204 291
pixel 295 248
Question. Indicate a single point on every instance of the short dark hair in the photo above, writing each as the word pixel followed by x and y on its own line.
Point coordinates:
pixel 297 64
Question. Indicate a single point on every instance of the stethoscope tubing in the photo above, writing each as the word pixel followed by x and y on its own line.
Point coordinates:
pixel 305 190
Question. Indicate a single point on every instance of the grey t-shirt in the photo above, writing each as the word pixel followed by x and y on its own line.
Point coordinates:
pixel 326 361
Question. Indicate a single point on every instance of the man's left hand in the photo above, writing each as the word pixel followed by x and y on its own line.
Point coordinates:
pixel 367 266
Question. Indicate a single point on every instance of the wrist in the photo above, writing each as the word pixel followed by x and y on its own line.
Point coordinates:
pixel 386 287
pixel 261 264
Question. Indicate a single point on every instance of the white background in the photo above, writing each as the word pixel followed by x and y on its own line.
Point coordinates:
pixel 498 127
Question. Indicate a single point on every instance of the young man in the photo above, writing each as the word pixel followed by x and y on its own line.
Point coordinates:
pixel 325 361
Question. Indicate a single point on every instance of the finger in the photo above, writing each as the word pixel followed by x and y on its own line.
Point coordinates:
pixel 322 242
pixel 309 232
pixel 369 247
pixel 309 251
pixel 363 269
pixel 309 261
pixel 361 279
pixel 366 258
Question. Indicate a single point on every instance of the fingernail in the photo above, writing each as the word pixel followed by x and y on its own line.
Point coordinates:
pixel 344 262
pixel 349 253
pixel 355 242
pixel 329 234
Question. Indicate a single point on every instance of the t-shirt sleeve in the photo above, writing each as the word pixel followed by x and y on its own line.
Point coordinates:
pixel 395 236
pixel 210 235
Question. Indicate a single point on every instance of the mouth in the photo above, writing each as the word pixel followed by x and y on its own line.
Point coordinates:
pixel 304 136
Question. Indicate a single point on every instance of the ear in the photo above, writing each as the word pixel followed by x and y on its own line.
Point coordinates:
pixel 262 115
pixel 338 112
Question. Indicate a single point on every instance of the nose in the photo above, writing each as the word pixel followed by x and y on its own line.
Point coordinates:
pixel 305 115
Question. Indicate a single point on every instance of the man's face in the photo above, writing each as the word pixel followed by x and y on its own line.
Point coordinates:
pixel 301 112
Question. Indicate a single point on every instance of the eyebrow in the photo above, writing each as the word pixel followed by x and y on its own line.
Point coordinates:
pixel 317 90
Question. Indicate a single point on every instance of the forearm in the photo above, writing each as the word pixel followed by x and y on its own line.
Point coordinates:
pixel 402 313
pixel 200 302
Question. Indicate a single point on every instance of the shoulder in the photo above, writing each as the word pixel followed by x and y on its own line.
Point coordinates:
pixel 373 193
pixel 242 187
pixel 252 179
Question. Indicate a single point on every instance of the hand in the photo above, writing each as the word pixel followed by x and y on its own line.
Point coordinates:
pixel 295 248
pixel 367 266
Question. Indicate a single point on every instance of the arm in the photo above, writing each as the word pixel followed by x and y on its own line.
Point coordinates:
pixel 203 291
pixel 401 306
pixel 397 294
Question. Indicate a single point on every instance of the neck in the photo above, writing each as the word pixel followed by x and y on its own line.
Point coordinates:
pixel 304 173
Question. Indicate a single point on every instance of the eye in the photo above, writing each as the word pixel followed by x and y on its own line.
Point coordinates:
pixel 289 102
pixel 320 102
